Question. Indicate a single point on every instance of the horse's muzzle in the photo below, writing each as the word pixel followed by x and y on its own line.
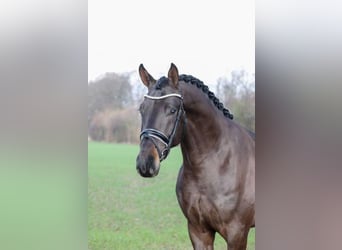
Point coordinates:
pixel 148 163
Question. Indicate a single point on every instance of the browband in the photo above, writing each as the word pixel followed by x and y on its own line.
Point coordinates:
pixel 163 96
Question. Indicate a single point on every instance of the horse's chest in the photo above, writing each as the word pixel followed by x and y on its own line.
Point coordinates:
pixel 201 210
pixel 205 207
pixel 206 203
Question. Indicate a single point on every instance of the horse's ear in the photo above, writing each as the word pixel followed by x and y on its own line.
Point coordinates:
pixel 145 77
pixel 173 75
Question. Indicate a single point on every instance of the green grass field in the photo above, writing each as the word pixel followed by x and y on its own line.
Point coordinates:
pixel 126 211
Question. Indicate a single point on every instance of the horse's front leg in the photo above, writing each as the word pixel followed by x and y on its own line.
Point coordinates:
pixel 201 239
pixel 237 238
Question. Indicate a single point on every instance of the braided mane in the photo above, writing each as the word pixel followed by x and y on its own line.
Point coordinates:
pixel 196 82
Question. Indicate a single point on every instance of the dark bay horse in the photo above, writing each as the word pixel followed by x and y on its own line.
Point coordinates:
pixel 215 186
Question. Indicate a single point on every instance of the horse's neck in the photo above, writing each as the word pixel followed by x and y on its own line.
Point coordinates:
pixel 205 125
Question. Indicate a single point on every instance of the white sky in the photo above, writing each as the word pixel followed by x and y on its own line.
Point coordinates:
pixel 206 39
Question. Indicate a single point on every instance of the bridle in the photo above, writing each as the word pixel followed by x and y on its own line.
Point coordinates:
pixel 159 135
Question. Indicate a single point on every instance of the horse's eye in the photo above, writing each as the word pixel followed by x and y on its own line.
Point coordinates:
pixel 173 110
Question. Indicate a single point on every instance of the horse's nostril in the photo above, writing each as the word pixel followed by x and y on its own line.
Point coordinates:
pixel 141 167
pixel 150 160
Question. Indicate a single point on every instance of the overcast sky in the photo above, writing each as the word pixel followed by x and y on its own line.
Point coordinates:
pixel 206 39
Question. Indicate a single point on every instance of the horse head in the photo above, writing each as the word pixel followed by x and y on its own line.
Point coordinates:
pixel 161 114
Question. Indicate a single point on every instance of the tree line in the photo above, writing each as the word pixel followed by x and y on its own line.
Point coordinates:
pixel 113 101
